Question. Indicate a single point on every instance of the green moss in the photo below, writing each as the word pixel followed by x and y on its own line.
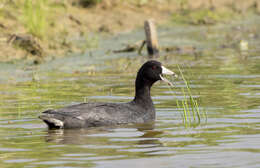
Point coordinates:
pixel 202 16
pixel 90 42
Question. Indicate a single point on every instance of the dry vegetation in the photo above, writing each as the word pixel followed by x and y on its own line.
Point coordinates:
pixel 54 27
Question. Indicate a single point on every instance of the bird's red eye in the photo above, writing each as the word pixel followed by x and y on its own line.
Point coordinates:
pixel 154 67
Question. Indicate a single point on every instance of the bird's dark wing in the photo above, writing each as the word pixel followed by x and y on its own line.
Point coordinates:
pixel 88 115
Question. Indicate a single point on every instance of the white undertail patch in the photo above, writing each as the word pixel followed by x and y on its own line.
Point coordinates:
pixel 56 122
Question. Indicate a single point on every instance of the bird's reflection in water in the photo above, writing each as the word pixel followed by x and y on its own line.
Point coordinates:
pixel 137 133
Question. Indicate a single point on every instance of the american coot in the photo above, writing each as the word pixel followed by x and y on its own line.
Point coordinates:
pixel 139 110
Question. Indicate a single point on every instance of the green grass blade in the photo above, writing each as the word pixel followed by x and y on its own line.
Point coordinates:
pixel 184 110
pixel 198 111
pixel 179 108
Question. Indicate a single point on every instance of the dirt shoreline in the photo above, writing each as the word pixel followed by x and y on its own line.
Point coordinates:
pixel 67 23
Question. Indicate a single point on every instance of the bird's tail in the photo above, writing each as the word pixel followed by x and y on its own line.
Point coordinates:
pixel 51 120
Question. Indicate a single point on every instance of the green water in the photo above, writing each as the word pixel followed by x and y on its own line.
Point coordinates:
pixel 226 79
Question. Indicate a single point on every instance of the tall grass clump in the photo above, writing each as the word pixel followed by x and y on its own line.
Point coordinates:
pixel 35 17
pixel 189 106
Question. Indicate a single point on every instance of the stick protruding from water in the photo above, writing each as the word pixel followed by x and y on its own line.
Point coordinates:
pixel 151 38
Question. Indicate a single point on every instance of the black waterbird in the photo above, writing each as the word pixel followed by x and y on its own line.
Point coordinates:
pixel 139 110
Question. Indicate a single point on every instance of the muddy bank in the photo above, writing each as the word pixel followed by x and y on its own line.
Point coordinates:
pixel 42 30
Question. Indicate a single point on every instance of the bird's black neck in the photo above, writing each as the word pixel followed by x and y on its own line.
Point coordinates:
pixel 142 92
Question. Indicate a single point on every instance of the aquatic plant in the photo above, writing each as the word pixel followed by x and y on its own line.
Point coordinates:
pixel 191 112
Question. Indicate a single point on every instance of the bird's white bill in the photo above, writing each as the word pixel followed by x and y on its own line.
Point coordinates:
pixel 166 71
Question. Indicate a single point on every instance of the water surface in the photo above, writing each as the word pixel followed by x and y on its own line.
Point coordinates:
pixel 225 78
